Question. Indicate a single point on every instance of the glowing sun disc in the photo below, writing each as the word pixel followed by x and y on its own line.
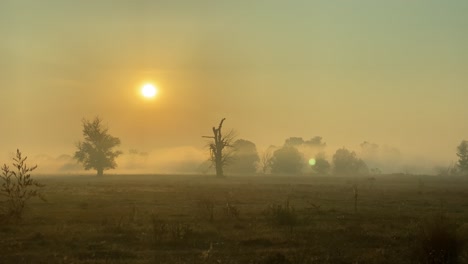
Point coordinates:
pixel 148 90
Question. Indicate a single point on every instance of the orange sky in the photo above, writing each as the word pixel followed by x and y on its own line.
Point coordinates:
pixel 393 73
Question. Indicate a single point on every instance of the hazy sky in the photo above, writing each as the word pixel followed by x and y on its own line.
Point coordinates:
pixel 391 72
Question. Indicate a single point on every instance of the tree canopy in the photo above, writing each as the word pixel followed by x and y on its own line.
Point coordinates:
pixel 287 160
pixel 346 162
pixel 315 142
pixel 96 151
pixel 321 165
pixel 244 158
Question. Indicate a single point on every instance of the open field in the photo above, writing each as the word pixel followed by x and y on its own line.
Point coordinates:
pixel 166 219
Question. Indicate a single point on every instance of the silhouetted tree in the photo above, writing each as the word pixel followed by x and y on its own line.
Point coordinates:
pixel 369 149
pixel 294 141
pixel 287 160
pixel 244 158
pixel 346 162
pixel 220 142
pixel 315 142
pixel 266 159
pixel 462 153
pixel 321 166
pixel 95 152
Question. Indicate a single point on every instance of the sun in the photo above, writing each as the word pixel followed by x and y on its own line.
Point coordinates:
pixel 148 90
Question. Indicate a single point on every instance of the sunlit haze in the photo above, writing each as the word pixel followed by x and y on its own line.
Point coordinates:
pixel 393 73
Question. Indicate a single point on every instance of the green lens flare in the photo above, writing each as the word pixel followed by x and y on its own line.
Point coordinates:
pixel 312 162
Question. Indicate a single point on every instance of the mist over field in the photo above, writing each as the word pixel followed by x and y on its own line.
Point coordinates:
pixel 392 74
pixel 161 161
pixel 233 132
pixel 193 160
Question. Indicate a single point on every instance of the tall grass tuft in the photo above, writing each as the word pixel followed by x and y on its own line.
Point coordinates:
pixel 438 241
pixel 283 215
pixel 207 206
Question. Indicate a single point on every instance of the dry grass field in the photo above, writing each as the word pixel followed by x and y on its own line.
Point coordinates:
pixel 257 219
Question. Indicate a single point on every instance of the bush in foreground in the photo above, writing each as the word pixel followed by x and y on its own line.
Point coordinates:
pixel 17 188
pixel 438 242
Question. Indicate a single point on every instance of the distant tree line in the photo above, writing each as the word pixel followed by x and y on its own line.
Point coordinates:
pixel 289 160
pixel 240 156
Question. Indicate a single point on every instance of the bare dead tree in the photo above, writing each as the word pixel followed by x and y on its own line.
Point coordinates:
pixel 265 160
pixel 220 142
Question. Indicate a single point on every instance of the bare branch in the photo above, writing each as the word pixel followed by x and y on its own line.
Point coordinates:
pixel 217 146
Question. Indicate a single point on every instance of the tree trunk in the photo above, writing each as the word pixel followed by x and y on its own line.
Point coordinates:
pixel 100 171
pixel 219 145
pixel 219 167
pixel 216 148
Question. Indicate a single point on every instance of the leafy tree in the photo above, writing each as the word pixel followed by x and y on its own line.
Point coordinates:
pixel 287 160
pixel 294 141
pixel 315 142
pixel 244 158
pixel 96 151
pixel 462 153
pixel 346 162
pixel 217 155
pixel 321 166
pixel 17 187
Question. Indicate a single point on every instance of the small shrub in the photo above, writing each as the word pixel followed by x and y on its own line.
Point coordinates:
pixel 180 231
pixel 160 229
pixel 283 215
pixel 206 206
pixel 174 231
pixel 438 242
pixel 231 210
pixel 18 187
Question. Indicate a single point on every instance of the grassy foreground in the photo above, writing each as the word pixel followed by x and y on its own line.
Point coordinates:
pixel 257 219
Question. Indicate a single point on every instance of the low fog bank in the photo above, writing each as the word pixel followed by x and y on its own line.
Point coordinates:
pixel 185 160
pixel 390 159
pixel 380 159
